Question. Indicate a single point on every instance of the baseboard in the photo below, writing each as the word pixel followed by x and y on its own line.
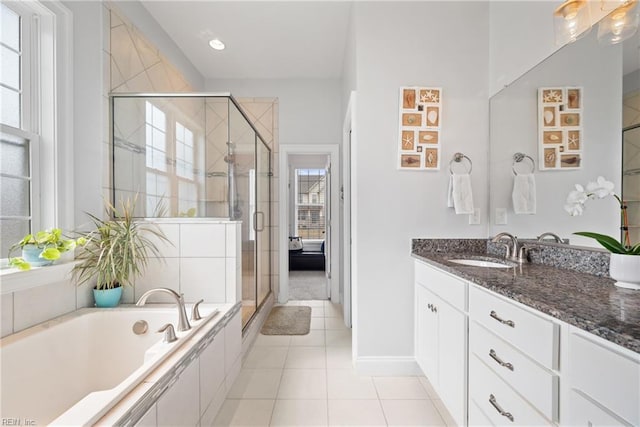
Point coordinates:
pixel 387 366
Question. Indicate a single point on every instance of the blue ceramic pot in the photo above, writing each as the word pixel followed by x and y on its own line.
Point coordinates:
pixel 31 254
pixel 107 297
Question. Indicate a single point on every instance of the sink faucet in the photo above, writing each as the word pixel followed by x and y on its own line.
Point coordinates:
pixel 555 237
pixel 512 252
pixel 183 322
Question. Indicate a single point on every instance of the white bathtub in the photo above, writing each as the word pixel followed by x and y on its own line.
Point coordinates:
pixel 80 365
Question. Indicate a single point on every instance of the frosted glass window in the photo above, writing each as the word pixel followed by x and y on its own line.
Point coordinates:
pixel 14 156
pixel 14 196
pixel 12 230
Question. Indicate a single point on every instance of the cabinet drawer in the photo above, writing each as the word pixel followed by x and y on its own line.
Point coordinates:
pixel 534 383
pixel 534 336
pixel 447 287
pixel 609 377
pixel 486 387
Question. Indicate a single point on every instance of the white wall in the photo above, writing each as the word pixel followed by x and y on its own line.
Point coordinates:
pixel 309 110
pixel 522 35
pixel 400 44
pixel 90 112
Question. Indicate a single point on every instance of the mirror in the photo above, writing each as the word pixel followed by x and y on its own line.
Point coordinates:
pixel 609 78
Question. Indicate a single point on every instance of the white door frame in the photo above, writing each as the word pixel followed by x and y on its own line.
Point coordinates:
pixel 333 151
pixel 348 142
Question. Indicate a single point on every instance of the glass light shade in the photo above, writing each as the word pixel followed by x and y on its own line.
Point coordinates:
pixel 620 24
pixel 609 5
pixel 571 21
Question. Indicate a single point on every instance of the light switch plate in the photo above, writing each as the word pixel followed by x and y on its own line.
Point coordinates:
pixel 501 216
pixel 475 217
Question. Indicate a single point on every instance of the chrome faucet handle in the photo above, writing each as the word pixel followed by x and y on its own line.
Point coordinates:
pixel 195 312
pixel 169 333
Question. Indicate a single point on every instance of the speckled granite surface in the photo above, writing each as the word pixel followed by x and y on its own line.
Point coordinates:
pixel 589 302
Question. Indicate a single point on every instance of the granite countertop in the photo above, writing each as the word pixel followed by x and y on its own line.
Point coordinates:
pixel 586 301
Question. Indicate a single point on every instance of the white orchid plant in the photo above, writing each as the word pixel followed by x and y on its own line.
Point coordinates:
pixel 600 189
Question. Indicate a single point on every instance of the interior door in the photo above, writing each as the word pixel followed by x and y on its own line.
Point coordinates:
pixel 327 227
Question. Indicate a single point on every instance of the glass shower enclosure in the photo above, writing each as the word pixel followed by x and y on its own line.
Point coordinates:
pixel 197 156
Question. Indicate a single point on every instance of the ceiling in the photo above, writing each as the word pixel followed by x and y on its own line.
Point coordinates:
pixel 264 39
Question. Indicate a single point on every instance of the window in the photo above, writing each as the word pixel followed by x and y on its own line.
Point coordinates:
pixel 18 141
pixel 170 163
pixel 36 178
pixel 156 157
pixel 310 190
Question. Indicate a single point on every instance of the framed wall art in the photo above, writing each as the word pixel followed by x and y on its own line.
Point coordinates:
pixel 420 124
pixel 560 136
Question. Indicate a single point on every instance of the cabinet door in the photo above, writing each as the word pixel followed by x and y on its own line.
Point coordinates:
pixel 452 357
pixel 585 413
pixel 180 404
pixel 426 334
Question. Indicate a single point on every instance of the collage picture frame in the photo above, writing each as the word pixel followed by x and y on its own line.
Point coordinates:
pixel 420 125
pixel 560 128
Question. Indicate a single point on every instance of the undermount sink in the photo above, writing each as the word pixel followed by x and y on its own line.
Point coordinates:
pixel 480 263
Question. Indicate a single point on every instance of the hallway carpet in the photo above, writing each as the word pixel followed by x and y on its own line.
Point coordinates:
pixel 307 285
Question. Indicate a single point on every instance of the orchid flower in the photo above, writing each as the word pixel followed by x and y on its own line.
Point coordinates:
pixel 599 189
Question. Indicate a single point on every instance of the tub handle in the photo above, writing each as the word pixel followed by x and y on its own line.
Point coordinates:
pixel 169 333
pixel 195 311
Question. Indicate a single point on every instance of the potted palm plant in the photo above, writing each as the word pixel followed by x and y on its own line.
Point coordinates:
pixel 115 252
pixel 40 249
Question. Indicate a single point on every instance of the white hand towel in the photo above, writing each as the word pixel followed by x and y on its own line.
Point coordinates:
pixel 524 194
pixel 462 194
pixel 450 192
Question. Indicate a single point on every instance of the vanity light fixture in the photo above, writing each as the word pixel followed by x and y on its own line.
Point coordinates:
pixel 571 21
pixel 620 24
pixel 216 44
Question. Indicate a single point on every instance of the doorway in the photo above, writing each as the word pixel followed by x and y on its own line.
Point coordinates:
pixel 309 191
pixel 309 175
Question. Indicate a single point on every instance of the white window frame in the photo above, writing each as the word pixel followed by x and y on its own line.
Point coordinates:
pixel 48 102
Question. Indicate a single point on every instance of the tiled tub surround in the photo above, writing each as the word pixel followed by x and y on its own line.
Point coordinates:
pixel 589 302
pixel 113 361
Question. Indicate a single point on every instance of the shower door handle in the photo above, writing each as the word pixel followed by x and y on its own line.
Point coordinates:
pixel 255 221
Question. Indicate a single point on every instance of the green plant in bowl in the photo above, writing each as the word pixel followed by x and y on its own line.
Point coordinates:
pixel 41 248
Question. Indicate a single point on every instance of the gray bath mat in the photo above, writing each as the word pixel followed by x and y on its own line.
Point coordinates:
pixel 288 320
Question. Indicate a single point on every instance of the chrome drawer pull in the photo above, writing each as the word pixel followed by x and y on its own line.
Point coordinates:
pixel 505 322
pixel 494 403
pixel 494 356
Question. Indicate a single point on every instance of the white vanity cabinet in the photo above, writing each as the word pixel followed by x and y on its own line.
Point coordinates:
pixel 441 336
pixel 513 359
pixel 604 381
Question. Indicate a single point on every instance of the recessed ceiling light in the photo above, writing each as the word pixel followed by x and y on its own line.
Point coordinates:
pixel 216 44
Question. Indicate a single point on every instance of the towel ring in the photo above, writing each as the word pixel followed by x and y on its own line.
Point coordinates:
pixel 458 157
pixel 519 157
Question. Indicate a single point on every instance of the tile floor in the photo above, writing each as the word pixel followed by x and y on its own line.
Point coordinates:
pixel 309 381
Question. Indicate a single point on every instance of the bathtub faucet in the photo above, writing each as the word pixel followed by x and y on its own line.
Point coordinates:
pixel 183 322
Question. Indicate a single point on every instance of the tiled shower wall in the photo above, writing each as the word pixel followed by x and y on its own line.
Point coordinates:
pixel 631 157
pixel 133 64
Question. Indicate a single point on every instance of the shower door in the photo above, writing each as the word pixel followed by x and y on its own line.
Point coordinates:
pixel 262 221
